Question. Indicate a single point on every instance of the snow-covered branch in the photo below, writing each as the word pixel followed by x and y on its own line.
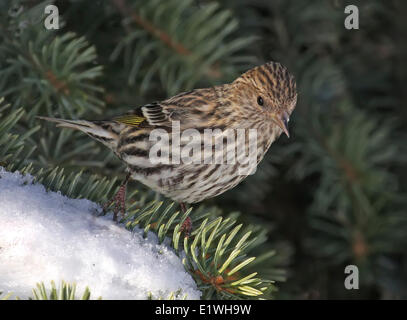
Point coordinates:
pixel 46 236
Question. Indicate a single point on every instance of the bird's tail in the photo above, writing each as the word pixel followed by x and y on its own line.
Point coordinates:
pixel 106 132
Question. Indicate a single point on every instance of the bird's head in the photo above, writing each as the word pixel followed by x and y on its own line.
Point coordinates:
pixel 270 91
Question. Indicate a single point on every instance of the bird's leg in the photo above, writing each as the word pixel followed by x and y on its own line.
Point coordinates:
pixel 187 224
pixel 119 199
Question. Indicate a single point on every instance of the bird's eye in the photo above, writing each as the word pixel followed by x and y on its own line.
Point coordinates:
pixel 260 101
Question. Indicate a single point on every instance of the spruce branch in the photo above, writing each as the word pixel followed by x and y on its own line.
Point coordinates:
pixel 47 71
pixel 180 55
pixel 66 291
pixel 160 34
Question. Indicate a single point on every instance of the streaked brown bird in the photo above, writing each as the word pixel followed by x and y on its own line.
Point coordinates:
pixel 262 99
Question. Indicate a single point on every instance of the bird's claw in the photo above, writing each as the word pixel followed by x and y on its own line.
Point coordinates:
pixel 119 201
pixel 186 226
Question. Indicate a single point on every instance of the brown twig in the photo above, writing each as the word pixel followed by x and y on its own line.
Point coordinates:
pixel 59 85
pixel 158 33
pixel 125 11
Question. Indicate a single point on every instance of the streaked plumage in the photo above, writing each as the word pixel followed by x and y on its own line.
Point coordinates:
pixel 262 98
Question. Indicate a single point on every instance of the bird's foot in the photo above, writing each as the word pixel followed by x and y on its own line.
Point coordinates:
pixel 187 224
pixel 119 200
pixel 187 227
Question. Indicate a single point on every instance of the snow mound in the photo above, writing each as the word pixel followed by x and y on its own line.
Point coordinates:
pixel 46 236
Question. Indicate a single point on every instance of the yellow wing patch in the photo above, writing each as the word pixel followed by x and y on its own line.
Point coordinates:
pixel 131 120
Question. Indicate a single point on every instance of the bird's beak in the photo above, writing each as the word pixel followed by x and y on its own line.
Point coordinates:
pixel 281 119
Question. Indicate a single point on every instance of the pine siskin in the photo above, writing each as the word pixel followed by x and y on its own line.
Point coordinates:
pixel 262 99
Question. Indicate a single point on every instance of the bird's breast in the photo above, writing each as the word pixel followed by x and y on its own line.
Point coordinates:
pixel 195 165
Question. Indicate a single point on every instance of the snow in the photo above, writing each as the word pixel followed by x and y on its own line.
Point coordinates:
pixel 46 236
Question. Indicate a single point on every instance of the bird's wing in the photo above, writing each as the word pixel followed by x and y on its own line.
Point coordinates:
pixel 156 114
pixel 188 108
pixel 146 114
